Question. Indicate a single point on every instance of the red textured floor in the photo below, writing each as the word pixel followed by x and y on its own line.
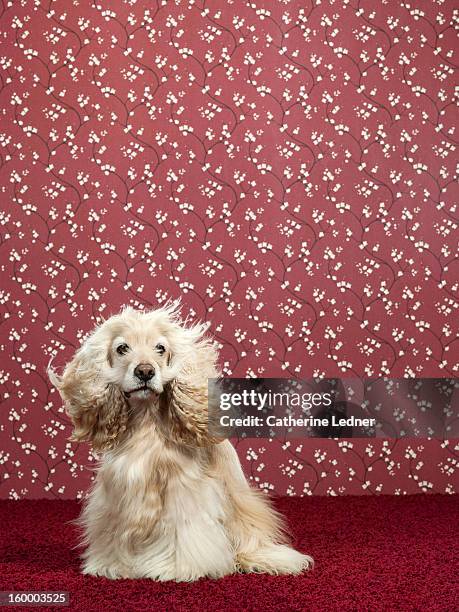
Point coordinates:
pixel 372 553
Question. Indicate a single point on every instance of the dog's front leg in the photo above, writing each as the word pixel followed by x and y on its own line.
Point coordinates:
pixel 192 533
pixel 105 528
pixel 121 521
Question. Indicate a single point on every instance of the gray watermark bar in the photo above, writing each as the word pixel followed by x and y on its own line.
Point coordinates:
pixel 334 408
pixel 34 598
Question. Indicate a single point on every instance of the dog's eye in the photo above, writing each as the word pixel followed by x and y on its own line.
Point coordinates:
pixel 160 348
pixel 122 349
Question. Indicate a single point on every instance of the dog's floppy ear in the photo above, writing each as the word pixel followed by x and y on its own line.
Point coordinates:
pixel 184 405
pixel 98 410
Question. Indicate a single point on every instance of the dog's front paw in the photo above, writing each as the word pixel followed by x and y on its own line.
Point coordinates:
pixel 274 559
pixel 108 571
pixel 190 574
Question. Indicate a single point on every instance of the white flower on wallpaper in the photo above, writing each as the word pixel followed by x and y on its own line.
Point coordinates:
pixel 290 171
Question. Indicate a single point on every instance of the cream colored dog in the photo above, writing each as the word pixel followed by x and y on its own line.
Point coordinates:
pixel 169 502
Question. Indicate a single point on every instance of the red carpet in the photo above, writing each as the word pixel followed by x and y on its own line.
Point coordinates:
pixel 372 553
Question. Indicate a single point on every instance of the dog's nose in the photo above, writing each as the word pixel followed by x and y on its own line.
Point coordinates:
pixel 144 372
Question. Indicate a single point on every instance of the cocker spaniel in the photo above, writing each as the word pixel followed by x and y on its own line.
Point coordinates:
pixel 169 502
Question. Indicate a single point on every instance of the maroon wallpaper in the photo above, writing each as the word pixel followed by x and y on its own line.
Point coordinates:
pixel 285 167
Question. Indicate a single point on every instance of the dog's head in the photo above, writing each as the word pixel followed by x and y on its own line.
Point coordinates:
pixel 138 361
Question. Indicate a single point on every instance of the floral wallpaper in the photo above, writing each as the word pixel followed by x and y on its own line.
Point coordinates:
pixel 286 167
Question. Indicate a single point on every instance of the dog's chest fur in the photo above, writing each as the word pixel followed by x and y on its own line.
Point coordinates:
pixel 161 481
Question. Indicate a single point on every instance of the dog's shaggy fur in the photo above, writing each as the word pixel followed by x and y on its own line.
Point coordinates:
pixel 169 502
